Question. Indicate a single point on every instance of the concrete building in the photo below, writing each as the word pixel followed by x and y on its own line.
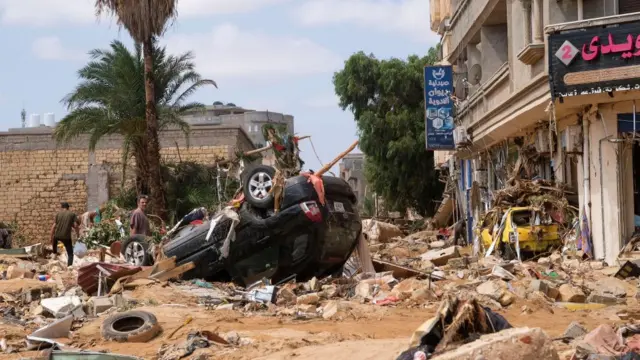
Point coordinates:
pixel 352 171
pixel 251 121
pixel 559 76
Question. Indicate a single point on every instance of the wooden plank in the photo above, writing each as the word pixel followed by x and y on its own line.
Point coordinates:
pixel 164 265
pixel 175 272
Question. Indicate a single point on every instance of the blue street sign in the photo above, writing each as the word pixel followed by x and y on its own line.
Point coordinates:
pixel 438 88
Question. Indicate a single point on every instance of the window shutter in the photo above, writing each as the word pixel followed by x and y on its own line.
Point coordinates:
pixel 628 6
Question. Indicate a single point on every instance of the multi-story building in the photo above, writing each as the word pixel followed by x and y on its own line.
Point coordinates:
pixel 250 120
pixel 559 76
pixel 352 171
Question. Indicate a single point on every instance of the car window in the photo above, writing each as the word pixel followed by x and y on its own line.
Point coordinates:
pixel 521 218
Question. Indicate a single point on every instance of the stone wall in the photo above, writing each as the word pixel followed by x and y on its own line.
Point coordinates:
pixel 36 174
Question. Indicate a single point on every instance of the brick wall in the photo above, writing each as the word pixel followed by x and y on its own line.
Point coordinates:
pixel 36 174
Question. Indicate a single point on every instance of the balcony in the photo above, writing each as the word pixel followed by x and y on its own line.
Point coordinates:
pixel 468 18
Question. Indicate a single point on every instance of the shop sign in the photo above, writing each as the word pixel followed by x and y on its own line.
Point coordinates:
pixel 438 88
pixel 594 60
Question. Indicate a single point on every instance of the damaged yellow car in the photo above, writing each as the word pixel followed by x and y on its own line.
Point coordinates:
pixel 532 229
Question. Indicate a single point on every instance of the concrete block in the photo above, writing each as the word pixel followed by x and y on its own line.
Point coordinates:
pixel 570 293
pixel 519 343
pixel 602 299
pixel 539 285
pixel 442 256
pixel 101 304
pixel 575 331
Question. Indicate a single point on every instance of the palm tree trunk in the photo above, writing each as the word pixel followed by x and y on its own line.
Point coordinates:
pixel 142 167
pixel 158 201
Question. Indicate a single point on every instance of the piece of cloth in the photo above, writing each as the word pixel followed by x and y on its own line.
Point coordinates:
pixel 318 185
pixel 68 246
pixel 65 220
pixel 5 239
pixel 98 217
pixel 140 223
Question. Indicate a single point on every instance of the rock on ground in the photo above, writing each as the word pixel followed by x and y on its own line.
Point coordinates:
pixel 570 293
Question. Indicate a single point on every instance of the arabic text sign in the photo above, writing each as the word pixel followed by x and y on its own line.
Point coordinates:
pixel 593 60
pixel 438 88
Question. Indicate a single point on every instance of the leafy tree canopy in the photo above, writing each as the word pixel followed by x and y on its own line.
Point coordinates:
pixel 386 98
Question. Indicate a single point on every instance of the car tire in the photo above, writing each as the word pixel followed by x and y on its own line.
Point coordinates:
pixel 130 326
pixel 257 181
pixel 135 250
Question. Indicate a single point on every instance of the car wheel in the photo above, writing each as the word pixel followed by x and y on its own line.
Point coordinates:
pixel 130 326
pixel 135 251
pixel 257 183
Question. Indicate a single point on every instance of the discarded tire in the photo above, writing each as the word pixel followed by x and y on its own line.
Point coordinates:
pixel 130 326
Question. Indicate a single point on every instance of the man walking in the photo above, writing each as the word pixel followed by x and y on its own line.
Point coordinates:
pixel 61 231
pixel 139 221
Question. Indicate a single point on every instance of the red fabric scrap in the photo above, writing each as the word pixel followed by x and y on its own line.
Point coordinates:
pixel 279 147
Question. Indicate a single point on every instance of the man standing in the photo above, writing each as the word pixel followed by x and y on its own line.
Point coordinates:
pixel 139 221
pixel 61 231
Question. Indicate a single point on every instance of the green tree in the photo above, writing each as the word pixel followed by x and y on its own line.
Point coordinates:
pixel 145 20
pixel 386 98
pixel 110 99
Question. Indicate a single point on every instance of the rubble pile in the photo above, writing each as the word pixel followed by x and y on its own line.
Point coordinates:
pixel 476 301
pixel 543 195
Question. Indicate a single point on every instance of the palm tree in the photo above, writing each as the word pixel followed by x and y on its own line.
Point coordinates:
pixel 145 20
pixel 110 99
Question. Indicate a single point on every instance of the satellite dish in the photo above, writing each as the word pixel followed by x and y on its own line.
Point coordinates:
pixel 459 89
pixel 475 74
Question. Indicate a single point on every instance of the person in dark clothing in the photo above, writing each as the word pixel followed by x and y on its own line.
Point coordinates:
pixel 65 222
pixel 5 236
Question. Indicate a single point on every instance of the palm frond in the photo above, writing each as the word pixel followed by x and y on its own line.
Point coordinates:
pixel 142 19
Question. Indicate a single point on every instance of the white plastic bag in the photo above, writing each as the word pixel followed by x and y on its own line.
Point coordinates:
pixel 80 249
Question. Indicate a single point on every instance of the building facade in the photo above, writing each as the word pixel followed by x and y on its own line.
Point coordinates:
pixel 558 78
pixel 352 171
pixel 251 121
pixel 36 173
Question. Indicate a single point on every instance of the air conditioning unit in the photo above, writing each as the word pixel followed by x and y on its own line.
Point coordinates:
pixel 571 139
pixel 460 135
pixel 542 141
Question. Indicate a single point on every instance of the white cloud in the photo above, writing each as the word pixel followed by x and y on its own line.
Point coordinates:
pixel 51 48
pixel 46 12
pixel 228 52
pixel 57 12
pixel 323 101
pixel 198 8
pixel 409 17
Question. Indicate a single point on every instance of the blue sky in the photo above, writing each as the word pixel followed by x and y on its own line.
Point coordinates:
pixel 277 55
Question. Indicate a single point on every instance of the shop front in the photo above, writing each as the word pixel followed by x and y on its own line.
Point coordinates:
pixel 594 78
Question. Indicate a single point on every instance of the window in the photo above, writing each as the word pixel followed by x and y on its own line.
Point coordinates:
pixel 628 6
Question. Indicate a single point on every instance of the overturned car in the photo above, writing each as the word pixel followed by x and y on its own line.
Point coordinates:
pixel 312 233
